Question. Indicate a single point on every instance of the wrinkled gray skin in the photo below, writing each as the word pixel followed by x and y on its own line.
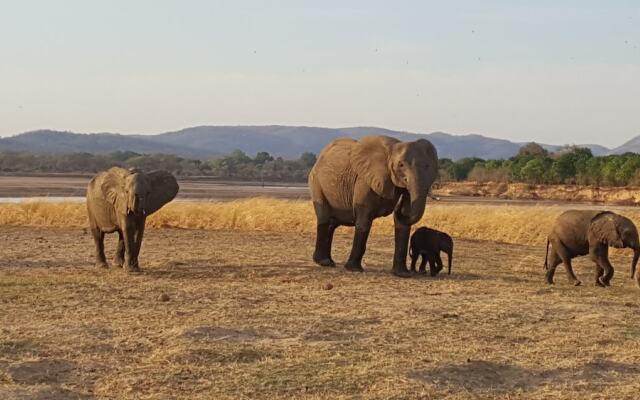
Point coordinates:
pixel 581 232
pixel 428 243
pixel 354 182
pixel 119 200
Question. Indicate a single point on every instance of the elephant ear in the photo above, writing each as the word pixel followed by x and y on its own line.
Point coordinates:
pixel 430 152
pixel 604 229
pixel 112 186
pixel 370 160
pixel 164 188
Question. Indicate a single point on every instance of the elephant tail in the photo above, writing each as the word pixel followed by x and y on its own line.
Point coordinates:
pixel 546 257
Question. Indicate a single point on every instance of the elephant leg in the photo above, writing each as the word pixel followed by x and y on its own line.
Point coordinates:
pixel 432 265
pixel 565 256
pixel 130 259
pixel 423 264
pixel 139 234
pixel 400 252
pixel 119 260
pixel 604 270
pixel 554 261
pixel 439 266
pixel 322 253
pixel 599 272
pixel 98 238
pixel 354 263
pixel 414 259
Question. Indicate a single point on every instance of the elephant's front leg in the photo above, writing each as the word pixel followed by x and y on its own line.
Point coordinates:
pixel 98 238
pixel 119 259
pixel 400 253
pixel 130 248
pixel 363 226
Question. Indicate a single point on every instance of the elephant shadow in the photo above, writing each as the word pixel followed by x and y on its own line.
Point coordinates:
pixel 480 377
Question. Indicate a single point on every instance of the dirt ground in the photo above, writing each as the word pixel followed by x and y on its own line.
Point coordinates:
pixel 247 316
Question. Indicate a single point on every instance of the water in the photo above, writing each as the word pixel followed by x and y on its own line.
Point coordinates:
pixel 42 199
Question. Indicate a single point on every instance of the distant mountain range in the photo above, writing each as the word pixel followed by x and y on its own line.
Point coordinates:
pixel 285 141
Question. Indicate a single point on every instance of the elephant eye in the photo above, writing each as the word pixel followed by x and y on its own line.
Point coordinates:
pixel 401 164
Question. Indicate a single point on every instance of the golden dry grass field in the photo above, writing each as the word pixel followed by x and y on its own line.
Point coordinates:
pixel 248 315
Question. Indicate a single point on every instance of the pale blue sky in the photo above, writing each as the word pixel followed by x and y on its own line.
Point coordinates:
pixel 551 71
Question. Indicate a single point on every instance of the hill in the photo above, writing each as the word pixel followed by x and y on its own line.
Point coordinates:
pixel 285 141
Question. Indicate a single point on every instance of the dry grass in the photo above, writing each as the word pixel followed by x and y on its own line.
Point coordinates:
pixel 248 318
pixel 515 224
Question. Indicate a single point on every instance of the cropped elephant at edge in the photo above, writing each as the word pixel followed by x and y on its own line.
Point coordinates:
pixel 428 243
pixel 120 200
pixel 581 232
pixel 356 181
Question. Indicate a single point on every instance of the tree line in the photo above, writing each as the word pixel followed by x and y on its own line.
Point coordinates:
pixel 236 166
pixel 533 164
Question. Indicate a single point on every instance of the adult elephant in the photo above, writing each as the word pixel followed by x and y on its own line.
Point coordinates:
pixel 581 232
pixel 120 200
pixel 354 182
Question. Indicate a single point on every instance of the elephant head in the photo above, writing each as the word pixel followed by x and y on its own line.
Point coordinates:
pixel 617 231
pixel 134 192
pixel 388 165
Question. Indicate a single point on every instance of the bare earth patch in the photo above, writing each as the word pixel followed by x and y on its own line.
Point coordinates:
pixel 249 316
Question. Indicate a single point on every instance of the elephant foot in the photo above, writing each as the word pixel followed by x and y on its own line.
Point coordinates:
pixel 577 283
pixel 353 267
pixel 325 262
pixel 402 272
pixel 602 283
pixel 132 269
pixel 102 264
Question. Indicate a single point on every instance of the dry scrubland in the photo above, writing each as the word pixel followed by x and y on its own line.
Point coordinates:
pixel 502 223
pixel 247 315
pixel 523 191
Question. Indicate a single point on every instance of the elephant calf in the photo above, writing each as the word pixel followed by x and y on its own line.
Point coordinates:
pixel 119 200
pixel 581 232
pixel 428 243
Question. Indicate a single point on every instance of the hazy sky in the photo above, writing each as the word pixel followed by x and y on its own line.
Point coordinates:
pixel 550 71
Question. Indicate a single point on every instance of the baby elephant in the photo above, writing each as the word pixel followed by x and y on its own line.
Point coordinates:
pixel 428 243
pixel 581 232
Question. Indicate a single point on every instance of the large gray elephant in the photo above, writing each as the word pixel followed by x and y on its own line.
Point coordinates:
pixel 581 232
pixel 354 182
pixel 120 200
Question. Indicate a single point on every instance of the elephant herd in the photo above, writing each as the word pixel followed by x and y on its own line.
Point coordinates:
pixel 352 183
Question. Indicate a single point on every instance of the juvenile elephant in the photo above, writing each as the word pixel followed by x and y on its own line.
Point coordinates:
pixel 354 182
pixel 119 200
pixel 428 243
pixel 580 232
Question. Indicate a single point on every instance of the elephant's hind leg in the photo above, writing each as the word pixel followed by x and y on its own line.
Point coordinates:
pixel 98 238
pixel 565 256
pixel 554 261
pixel 324 239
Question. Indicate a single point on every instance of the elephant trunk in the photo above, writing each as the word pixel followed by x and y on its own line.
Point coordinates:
pixel 417 203
pixel 135 205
